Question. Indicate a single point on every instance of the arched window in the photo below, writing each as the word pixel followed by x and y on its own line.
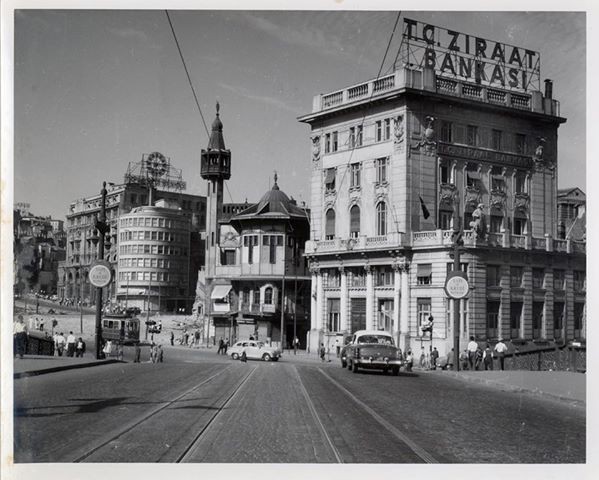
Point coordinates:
pixel 330 224
pixel 268 295
pixel 381 219
pixel 354 221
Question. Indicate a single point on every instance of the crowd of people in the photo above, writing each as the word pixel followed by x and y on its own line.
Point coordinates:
pixel 475 358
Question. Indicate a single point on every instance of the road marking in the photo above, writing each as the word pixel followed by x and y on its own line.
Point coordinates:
pixel 138 421
pixel 194 443
pixel 421 452
pixel 316 417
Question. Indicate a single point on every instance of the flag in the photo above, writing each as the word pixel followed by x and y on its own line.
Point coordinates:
pixel 425 212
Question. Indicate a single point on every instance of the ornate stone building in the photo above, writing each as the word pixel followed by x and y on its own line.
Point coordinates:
pixel 395 162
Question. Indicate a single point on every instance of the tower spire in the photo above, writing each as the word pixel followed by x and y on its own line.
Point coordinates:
pixel 276 177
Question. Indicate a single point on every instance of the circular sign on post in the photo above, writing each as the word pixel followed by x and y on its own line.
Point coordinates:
pixel 100 274
pixel 456 285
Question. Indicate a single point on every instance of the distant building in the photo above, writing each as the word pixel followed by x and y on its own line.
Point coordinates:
pixel 146 182
pixel 154 259
pixel 38 248
pixel 399 161
pixel 571 213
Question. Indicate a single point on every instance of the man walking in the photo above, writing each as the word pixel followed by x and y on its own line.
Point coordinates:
pixel 472 348
pixel 501 348
pixel 434 357
pixel 71 345
pixel 322 352
pixel 20 336
pixel 295 345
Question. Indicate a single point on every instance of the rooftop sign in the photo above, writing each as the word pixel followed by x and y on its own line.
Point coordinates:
pixel 459 55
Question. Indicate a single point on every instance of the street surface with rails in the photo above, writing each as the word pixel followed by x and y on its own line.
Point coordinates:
pixel 203 407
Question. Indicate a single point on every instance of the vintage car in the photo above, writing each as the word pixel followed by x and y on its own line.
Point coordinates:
pixel 371 349
pixel 254 350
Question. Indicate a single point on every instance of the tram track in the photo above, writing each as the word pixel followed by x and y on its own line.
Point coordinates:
pixel 417 450
pixel 129 427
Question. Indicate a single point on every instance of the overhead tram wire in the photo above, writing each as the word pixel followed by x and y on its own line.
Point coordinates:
pixel 187 72
pixel 191 84
pixel 368 104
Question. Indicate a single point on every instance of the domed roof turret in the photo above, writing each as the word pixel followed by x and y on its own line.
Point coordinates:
pixel 217 141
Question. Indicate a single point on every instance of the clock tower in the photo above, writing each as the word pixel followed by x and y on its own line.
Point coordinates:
pixel 215 167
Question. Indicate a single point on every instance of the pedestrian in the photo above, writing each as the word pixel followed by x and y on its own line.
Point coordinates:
pixel 20 337
pixel 186 336
pixel 153 352
pixel 244 357
pixel 159 326
pixel 137 357
pixel 160 353
pixel 61 343
pixel 409 361
pixel 296 344
pixel 119 351
pixel 434 357
pixel 107 350
pixel 501 348
pixel 71 345
pixel 450 360
pixel 322 352
pixel 472 347
pixel 488 358
pixel 172 338
pixel 464 359
pixel 221 346
pixel 80 348
pixel 478 358
pixel 226 347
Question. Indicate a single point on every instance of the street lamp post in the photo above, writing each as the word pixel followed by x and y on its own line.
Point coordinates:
pixel 457 242
pixel 102 228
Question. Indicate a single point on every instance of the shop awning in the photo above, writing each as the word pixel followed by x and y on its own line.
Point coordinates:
pixel 220 291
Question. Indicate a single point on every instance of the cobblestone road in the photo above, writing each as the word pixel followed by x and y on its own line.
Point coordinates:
pixel 226 411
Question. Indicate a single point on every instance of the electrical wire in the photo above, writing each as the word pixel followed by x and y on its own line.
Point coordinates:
pixel 187 72
pixel 366 107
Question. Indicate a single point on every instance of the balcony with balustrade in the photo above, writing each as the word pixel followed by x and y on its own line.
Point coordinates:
pixel 441 238
pixel 415 78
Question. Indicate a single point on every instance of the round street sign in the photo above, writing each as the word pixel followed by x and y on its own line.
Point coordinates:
pixel 456 285
pixel 100 274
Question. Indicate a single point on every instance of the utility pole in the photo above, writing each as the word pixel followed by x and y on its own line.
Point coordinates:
pixel 102 228
pixel 283 304
pixel 457 243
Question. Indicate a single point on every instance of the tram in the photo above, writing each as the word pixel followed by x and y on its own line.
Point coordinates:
pixel 120 328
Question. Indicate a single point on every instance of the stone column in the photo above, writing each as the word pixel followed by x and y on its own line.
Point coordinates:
pixel 404 326
pixel 396 299
pixel 319 301
pixel 313 308
pixel 344 327
pixel 370 319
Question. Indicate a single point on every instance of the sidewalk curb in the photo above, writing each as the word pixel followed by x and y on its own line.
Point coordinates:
pixel 42 371
pixel 513 388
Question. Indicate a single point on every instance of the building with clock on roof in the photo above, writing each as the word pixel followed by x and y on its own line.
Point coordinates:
pixel 255 277
pixel 444 141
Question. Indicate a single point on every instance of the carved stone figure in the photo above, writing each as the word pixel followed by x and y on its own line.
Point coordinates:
pixel 399 129
pixel 428 143
pixel 316 148
pixel 479 222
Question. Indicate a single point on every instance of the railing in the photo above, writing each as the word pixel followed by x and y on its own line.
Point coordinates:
pixel 378 240
pixel 472 91
pixel 538 243
pixel 385 83
pixel 520 101
pixel 357 91
pixel 560 245
pixel 332 99
pixel 447 86
pixel 496 96
pixel 519 241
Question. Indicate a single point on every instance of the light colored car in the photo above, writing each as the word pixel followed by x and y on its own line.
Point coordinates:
pixel 254 350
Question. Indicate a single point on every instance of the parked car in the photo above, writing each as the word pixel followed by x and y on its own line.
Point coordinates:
pixel 372 349
pixel 254 350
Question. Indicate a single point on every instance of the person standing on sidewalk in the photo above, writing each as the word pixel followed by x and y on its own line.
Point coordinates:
pixel 488 358
pixel 409 361
pixel 472 348
pixel 60 343
pixel 322 352
pixel 172 338
pixel 501 348
pixel 71 345
pixel 80 349
pixel 434 357
pixel 137 357
pixel 295 345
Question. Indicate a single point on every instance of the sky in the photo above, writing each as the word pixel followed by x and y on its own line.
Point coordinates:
pixel 94 90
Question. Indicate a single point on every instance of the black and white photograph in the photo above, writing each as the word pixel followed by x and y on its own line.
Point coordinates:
pixel 321 240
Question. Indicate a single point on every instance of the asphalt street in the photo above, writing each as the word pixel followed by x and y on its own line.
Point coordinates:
pixel 202 407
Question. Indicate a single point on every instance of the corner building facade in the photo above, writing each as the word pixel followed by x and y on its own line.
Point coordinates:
pixel 395 161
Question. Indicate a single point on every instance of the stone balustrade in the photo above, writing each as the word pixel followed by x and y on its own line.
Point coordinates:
pixel 443 238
